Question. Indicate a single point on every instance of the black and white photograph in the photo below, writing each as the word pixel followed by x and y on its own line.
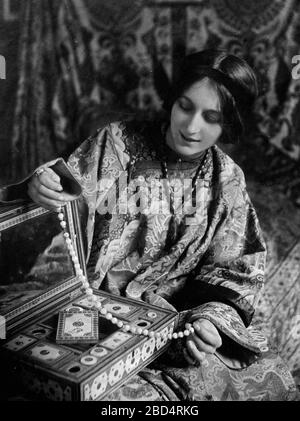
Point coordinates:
pixel 149 203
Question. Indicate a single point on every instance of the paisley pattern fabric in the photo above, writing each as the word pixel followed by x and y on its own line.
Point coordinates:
pixel 214 270
pixel 265 380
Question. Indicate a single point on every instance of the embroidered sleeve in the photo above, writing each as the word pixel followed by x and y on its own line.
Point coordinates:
pixel 99 157
pixel 14 193
pixel 228 283
pixel 17 192
pixel 97 164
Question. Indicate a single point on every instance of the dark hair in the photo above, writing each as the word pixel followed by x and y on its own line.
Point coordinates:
pixel 233 79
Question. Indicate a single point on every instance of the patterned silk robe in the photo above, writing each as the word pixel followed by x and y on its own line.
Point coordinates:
pixel 215 269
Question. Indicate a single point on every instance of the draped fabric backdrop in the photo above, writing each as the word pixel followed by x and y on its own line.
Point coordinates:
pixel 83 62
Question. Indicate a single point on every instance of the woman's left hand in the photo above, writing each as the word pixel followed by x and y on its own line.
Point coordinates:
pixel 205 340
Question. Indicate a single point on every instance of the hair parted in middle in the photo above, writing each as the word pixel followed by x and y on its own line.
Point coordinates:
pixel 233 79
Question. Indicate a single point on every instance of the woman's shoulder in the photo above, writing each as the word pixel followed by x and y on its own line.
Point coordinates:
pixel 131 128
pixel 141 137
pixel 227 167
pixel 133 125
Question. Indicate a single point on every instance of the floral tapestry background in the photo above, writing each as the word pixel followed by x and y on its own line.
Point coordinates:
pixel 84 62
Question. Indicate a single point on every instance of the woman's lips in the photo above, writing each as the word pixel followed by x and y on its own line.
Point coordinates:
pixel 189 139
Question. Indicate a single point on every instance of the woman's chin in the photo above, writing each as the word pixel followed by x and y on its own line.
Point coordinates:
pixel 189 150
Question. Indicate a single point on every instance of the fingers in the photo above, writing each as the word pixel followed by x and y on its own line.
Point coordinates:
pixel 45 190
pixel 38 192
pixel 201 345
pixel 190 359
pixel 44 201
pixel 207 333
pixel 204 340
pixel 192 353
pixel 48 193
pixel 50 180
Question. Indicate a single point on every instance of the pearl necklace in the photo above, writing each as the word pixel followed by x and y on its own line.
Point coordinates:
pixel 96 304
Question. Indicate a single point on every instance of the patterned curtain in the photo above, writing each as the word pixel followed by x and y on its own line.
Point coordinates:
pixel 84 62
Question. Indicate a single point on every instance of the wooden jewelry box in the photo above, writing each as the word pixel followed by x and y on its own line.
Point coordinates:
pixel 38 281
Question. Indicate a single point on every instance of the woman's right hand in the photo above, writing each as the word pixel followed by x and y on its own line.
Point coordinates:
pixel 45 189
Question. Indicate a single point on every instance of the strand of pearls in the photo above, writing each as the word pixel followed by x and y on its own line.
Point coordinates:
pixel 97 304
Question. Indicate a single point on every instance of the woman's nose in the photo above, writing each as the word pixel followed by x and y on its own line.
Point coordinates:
pixel 194 124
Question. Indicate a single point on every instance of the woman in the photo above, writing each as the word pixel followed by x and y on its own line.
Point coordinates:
pixel 196 249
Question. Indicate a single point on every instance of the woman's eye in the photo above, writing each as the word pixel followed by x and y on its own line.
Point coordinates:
pixel 184 105
pixel 213 117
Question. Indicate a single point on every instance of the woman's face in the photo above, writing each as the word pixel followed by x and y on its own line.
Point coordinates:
pixel 195 120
